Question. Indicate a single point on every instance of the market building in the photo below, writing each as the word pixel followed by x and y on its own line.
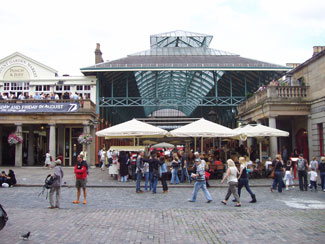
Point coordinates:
pixel 35 104
pixel 296 105
pixel 180 77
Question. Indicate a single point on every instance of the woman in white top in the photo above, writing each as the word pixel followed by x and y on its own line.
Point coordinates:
pixel 47 162
pixel 113 169
pixel 231 176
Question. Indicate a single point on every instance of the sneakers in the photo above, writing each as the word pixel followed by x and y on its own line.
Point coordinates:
pixel 209 201
pixel 191 200
pixel 139 191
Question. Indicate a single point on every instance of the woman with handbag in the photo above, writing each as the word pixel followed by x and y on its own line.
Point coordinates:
pixel 278 173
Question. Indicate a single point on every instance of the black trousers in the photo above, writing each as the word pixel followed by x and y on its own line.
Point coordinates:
pixel 164 181
pixel 302 175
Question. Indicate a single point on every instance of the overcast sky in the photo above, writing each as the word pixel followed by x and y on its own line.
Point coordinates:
pixel 63 34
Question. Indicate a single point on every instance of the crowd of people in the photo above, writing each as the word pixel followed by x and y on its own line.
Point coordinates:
pixel 42 96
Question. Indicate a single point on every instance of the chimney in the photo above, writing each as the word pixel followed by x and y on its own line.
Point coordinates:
pixel 98 54
pixel 318 49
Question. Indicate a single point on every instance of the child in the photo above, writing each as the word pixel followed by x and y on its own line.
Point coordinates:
pixel 313 179
pixel 288 175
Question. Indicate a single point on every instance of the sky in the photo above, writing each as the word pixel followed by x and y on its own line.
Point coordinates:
pixel 63 34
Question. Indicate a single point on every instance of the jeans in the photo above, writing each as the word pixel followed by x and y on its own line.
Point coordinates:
pixel 197 186
pixel 313 184
pixel 302 175
pixel 146 178
pixel 244 182
pixel 154 184
pixel 184 173
pixel 151 180
pixel 322 178
pixel 277 181
pixel 124 178
pixel 139 177
pixel 174 176
pixel 164 181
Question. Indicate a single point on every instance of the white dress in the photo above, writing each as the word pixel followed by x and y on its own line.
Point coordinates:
pixel 48 159
pixel 112 170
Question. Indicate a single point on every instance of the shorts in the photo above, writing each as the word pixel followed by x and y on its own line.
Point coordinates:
pixel 81 183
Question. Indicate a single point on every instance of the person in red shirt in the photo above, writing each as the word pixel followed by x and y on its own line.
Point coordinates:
pixel 80 170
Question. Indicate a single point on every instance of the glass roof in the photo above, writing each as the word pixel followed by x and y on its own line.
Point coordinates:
pixel 180 38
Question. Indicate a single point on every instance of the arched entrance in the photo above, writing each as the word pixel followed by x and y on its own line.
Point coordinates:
pixel 302 142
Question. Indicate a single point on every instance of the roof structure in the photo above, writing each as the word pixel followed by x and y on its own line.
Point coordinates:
pixel 179 65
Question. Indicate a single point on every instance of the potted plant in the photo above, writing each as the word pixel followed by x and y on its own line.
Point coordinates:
pixel 85 139
pixel 14 139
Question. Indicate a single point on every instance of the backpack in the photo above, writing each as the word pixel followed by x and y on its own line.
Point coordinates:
pixel 3 217
pixel 301 164
pixel 49 180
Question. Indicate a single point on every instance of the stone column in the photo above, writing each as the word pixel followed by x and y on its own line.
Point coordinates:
pixel 52 141
pixel 1 148
pixel 19 147
pixel 310 138
pixel 30 158
pixel 86 147
pixel 273 140
pixel 91 151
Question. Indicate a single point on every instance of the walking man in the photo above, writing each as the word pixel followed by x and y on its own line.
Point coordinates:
pixel 56 186
pixel 80 171
pixel 200 182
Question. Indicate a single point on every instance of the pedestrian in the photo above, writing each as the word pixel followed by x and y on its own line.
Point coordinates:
pixel 184 168
pixel 113 168
pixel 231 177
pixel 103 158
pixel 123 161
pixel 134 156
pixel 155 173
pixel 243 180
pixel 175 166
pixel 313 179
pixel 80 171
pixel 288 178
pixel 163 174
pixel 56 186
pixel 200 182
pixel 302 172
pixel 277 165
pixel 321 168
pixel 48 159
pixel 139 171
pixel 313 164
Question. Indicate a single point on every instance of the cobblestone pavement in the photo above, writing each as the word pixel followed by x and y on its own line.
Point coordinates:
pixel 36 175
pixel 119 215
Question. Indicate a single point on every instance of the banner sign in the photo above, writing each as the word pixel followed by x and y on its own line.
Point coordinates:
pixel 39 107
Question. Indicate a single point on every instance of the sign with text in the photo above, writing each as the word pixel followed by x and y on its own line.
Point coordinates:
pixel 39 107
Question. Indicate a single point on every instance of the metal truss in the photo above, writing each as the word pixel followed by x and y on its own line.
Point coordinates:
pixel 169 102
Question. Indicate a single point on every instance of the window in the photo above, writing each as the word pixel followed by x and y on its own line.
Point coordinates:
pixel 79 88
pixel 58 88
pixel 46 87
pixel 66 88
pixel 38 88
pixel 6 86
pixel 87 87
